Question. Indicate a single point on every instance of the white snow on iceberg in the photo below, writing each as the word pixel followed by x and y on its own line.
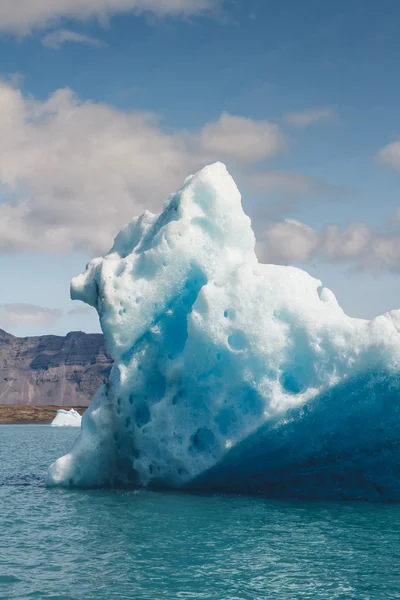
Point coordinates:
pixel 231 374
pixel 67 418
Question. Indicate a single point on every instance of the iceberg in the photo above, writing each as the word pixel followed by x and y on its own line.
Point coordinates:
pixel 230 374
pixel 67 418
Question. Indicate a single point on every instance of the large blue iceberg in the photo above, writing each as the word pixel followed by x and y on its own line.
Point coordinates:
pixel 230 374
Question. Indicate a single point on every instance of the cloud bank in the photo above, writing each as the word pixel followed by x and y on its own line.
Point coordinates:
pixel 240 138
pixel 73 172
pixel 291 241
pixel 14 315
pixel 21 16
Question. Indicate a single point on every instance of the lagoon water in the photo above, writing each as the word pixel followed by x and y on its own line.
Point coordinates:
pixel 115 545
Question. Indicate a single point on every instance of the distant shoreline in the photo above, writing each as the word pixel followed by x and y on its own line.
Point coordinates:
pixel 26 414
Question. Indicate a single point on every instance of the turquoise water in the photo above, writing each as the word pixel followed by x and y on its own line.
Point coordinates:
pixel 116 545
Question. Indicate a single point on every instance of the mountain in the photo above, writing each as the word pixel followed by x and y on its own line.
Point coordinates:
pixel 51 369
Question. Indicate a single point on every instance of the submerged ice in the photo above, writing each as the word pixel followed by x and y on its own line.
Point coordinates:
pixel 231 374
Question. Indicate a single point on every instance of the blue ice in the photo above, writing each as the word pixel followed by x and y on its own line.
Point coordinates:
pixel 230 374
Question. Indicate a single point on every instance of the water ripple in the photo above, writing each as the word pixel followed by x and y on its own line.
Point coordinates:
pixel 119 545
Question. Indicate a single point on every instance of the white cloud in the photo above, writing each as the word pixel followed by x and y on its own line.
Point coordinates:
pixel 14 315
pixel 73 172
pixel 21 16
pixel 287 241
pixel 390 156
pixel 243 139
pixel 353 242
pixel 57 38
pixel 291 241
pixel 76 171
pixel 310 116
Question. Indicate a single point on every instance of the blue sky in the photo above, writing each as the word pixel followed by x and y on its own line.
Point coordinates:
pixel 106 105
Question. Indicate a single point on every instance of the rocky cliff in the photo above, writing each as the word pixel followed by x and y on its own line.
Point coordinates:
pixel 52 370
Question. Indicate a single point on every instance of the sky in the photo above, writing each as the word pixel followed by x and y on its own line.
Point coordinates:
pixel 106 106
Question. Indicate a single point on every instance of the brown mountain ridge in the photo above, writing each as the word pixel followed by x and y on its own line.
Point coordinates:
pixel 52 370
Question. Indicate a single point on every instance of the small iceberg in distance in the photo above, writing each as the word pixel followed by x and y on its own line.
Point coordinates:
pixel 67 418
pixel 230 374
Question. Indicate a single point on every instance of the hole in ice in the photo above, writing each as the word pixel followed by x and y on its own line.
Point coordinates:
pixel 137 454
pixel 142 415
pixel 128 422
pixel 202 441
pixel 237 340
pixel 291 384
pixel 178 396
pixel 218 356
pixel 118 401
pixel 229 314
pixel 131 398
